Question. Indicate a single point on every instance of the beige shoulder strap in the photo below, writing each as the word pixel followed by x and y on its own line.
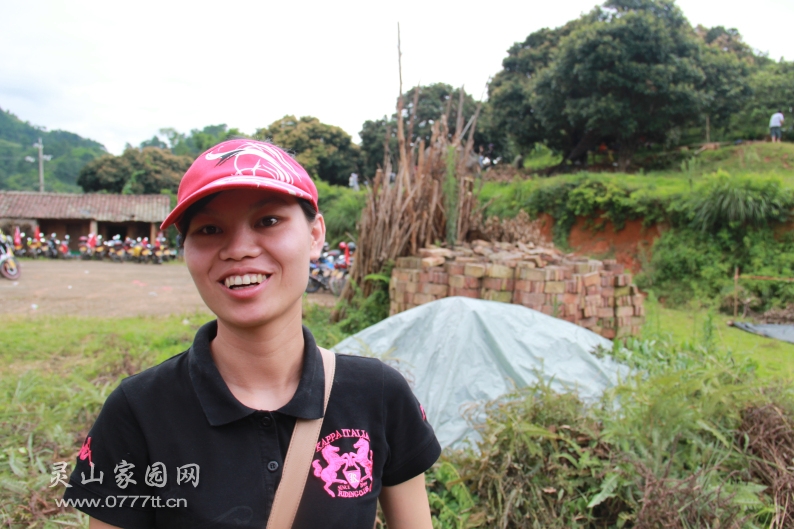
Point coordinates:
pixel 299 457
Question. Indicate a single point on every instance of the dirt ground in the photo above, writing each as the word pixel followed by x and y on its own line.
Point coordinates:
pixel 97 288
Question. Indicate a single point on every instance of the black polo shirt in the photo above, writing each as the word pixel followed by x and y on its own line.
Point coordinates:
pixel 176 438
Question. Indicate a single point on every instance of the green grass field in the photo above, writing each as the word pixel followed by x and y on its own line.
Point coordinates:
pixel 775 359
pixel 55 373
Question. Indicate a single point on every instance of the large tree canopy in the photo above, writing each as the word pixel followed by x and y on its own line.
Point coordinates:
pixel 325 151
pixel 629 73
pixel 629 76
pixel 137 171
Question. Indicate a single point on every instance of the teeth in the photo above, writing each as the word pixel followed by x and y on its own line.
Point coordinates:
pixel 246 279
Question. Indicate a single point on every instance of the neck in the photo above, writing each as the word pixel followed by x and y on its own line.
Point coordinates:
pixel 261 365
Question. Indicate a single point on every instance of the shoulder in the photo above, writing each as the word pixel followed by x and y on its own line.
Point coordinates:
pixel 157 380
pixel 370 369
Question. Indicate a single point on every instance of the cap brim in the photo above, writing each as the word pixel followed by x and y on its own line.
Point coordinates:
pixel 235 182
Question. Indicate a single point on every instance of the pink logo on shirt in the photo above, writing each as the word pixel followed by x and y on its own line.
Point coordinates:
pixel 355 466
pixel 85 451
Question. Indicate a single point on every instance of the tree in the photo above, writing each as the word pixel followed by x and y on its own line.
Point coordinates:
pixel 630 76
pixel 194 143
pixel 727 63
pixel 514 126
pixel 772 88
pixel 69 154
pixel 432 102
pixel 137 171
pixel 325 151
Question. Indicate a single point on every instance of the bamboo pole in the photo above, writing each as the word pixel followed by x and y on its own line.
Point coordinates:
pixel 736 292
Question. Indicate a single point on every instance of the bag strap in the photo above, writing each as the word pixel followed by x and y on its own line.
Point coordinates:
pixel 299 457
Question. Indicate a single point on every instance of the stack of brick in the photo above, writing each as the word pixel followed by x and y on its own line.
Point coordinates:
pixel 597 295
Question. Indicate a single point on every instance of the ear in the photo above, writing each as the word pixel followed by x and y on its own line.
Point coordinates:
pixel 317 237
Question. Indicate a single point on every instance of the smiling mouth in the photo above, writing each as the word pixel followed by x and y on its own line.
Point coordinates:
pixel 244 281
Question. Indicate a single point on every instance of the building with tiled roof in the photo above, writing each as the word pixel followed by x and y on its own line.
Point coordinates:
pixel 80 214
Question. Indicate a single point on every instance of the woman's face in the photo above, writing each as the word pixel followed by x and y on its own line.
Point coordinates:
pixel 248 252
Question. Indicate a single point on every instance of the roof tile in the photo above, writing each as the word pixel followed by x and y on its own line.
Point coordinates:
pixel 97 206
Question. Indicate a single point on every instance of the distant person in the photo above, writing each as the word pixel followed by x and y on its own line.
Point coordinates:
pixel 775 126
pixel 353 181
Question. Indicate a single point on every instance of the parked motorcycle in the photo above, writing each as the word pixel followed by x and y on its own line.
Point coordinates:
pixel 9 267
pixel 63 248
pixel 342 267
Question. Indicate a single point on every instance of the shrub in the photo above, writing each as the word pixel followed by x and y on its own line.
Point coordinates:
pixel 341 208
pixel 736 203
pixel 665 448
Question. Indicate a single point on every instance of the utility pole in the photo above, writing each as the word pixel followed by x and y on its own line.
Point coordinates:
pixel 40 145
pixel 42 158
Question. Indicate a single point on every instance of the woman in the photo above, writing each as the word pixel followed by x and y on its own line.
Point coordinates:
pixel 201 439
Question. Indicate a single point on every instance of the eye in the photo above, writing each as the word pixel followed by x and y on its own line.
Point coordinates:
pixel 268 221
pixel 209 230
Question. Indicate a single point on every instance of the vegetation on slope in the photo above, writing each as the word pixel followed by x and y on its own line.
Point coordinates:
pixel 69 154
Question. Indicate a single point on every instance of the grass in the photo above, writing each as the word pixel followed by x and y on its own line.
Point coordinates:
pixel 767 159
pixel 775 359
pixel 55 374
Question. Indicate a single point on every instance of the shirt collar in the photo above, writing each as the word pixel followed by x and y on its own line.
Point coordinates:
pixel 221 407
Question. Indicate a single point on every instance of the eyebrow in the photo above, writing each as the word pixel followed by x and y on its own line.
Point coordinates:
pixel 254 206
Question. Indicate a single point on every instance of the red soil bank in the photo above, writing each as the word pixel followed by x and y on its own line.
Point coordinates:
pixel 627 246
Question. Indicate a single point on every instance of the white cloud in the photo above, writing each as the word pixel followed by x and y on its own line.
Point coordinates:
pixel 118 72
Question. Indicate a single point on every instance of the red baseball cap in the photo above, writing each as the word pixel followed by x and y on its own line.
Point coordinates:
pixel 240 164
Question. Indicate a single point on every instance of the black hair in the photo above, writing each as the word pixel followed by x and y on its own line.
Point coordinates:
pixel 184 223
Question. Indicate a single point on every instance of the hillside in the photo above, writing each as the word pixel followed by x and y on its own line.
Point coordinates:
pixel 69 151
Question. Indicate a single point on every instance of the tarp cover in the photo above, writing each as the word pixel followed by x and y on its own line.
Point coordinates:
pixel 770 330
pixel 458 351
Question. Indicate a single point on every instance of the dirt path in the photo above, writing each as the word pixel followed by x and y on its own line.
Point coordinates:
pixel 95 288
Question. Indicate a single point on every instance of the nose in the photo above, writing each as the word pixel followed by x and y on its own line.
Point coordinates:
pixel 241 243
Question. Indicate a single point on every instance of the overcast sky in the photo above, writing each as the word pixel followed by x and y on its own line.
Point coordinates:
pixel 118 72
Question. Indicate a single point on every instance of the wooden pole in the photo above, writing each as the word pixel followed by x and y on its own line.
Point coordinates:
pixel 708 129
pixel 40 145
pixel 736 292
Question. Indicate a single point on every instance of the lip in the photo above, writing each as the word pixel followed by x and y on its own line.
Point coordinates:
pixel 244 293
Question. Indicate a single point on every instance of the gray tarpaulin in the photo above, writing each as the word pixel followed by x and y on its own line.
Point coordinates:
pixel 457 352
pixel 770 330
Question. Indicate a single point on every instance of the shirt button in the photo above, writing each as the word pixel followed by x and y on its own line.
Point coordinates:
pixel 272 466
pixel 266 421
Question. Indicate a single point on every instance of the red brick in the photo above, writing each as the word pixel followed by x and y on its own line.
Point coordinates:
pixel 457 281
pixel 499 271
pixel 440 278
pixel 624 311
pixel 527 298
pixel 497 295
pixel 570 299
pixel 454 269
pixel 421 299
pixel 494 283
pixel 605 312
pixel 434 289
pixel 474 270
pixel 523 285
pixel 465 292
pixel 554 287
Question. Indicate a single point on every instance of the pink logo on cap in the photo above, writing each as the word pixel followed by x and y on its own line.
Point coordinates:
pixel 251 157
